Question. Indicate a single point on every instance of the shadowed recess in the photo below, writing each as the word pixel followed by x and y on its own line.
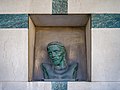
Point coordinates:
pixel 59 6
pixel 106 21
pixel 59 85
pixel 13 21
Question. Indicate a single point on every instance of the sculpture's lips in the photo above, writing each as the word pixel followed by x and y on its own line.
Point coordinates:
pixel 54 58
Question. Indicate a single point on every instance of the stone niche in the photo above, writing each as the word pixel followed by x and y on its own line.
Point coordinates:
pixel 71 30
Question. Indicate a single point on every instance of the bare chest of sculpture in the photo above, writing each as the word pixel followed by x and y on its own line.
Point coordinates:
pixel 66 73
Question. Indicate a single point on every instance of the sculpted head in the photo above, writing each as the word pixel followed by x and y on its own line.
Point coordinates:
pixel 59 69
pixel 56 52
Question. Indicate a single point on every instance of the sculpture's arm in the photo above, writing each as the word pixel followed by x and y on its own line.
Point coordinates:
pixel 45 73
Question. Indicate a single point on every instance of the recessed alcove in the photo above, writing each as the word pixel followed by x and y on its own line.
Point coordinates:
pixel 71 30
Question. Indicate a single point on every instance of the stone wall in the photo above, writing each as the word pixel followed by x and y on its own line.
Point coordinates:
pixel 104 38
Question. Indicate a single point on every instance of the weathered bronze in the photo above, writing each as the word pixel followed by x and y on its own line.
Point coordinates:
pixel 59 67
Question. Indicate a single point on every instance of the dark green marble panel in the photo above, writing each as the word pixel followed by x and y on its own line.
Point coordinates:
pixel 13 21
pixel 59 85
pixel 105 20
pixel 59 6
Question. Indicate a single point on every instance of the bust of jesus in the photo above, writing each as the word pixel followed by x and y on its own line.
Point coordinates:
pixel 59 68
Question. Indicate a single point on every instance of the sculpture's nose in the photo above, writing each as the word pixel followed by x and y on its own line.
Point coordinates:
pixel 53 54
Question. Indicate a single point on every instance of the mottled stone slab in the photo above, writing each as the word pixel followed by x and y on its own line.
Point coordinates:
pixel 59 85
pixel 105 20
pixel 13 54
pixel 59 6
pixel 13 21
pixel 105 54
pixel 94 86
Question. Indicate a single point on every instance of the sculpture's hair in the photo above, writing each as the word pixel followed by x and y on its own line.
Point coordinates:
pixel 56 43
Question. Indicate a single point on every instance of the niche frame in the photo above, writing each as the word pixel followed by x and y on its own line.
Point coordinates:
pixel 32 36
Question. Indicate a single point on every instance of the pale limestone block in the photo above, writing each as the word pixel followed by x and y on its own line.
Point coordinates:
pixel 25 86
pixel 39 85
pixel 14 86
pixel 78 86
pixel 41 6
pixel 105 86
pixel 14 6
pixel 13 54
pixel 93 85
pixel 93 6
pixel 105 54
pixel 0 86
pixel 25 6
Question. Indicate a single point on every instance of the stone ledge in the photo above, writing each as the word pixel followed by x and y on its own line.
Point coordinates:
pixel 94 85
pixel 25 86
pixel 70 85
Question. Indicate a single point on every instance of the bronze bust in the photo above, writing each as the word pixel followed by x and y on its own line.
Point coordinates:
pixel 59 68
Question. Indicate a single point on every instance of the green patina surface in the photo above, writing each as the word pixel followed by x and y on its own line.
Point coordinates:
pixel 59 69
pixel 59 6
pixel 59 85
pixel 13 21
pixel 105 20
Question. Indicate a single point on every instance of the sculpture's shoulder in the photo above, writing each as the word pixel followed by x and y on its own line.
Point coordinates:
pixel 73 69
pixel 74 65
pixel 45 66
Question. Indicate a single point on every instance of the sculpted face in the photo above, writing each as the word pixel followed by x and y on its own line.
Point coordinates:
pixel 56 54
